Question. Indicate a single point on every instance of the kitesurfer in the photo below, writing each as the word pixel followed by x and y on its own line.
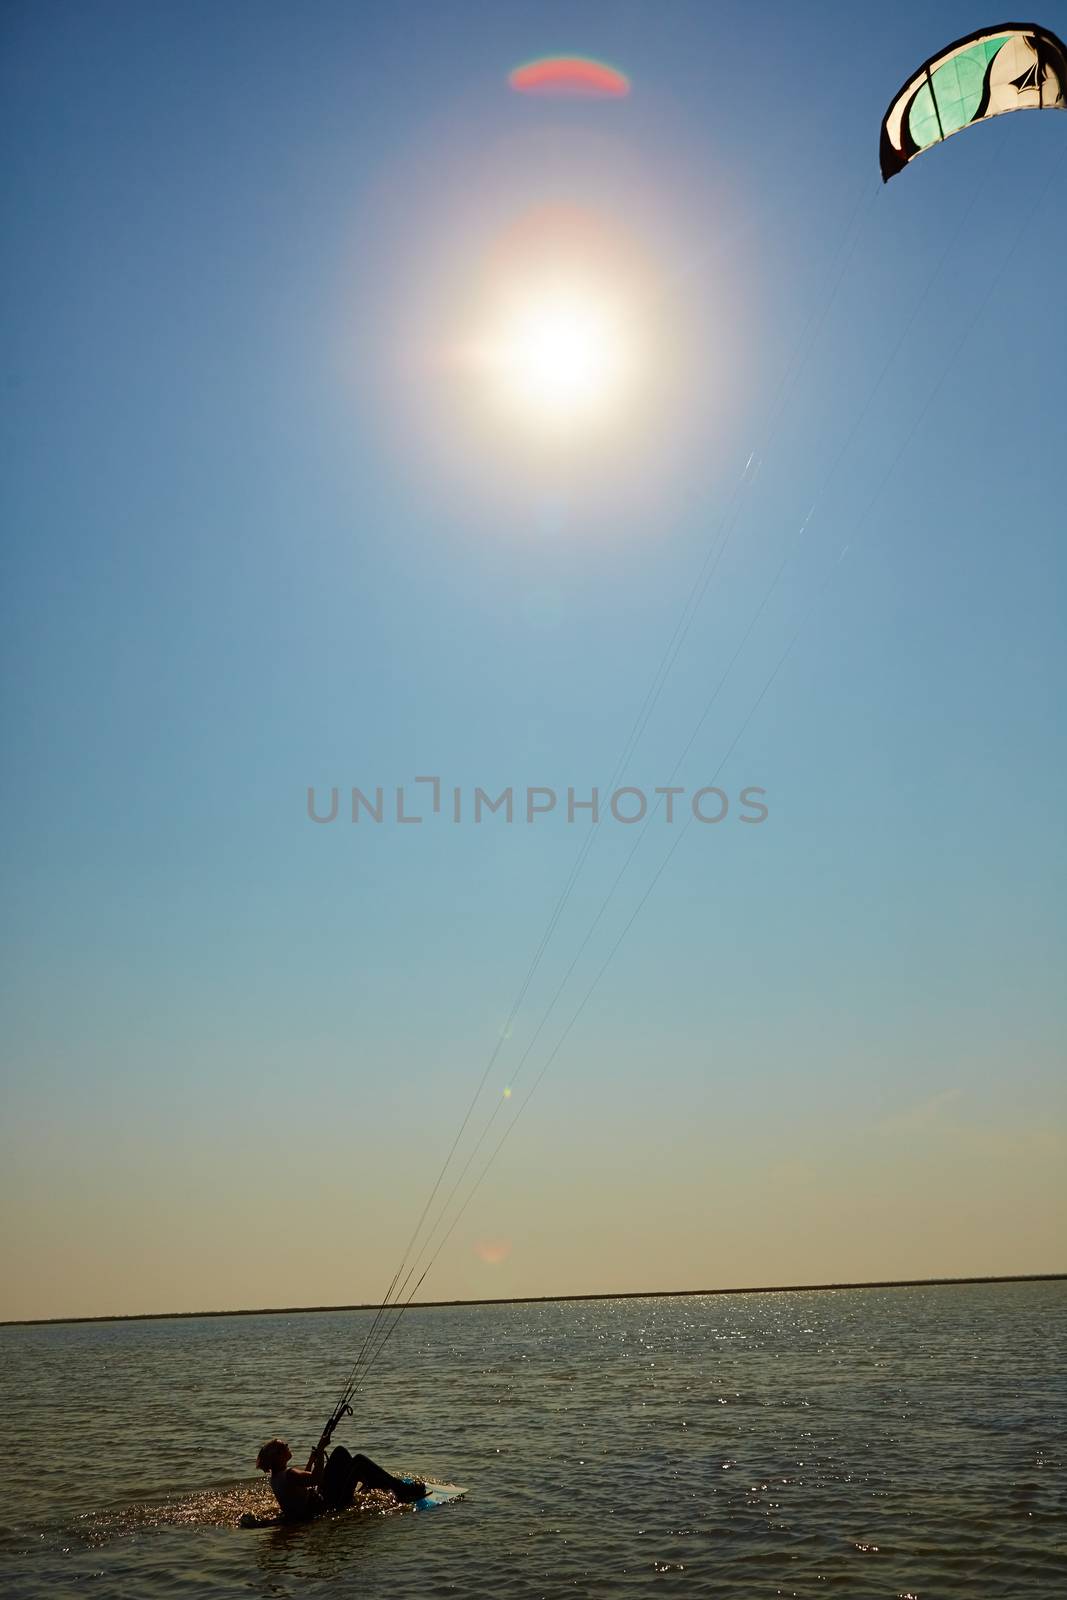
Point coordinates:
pixel 327 1482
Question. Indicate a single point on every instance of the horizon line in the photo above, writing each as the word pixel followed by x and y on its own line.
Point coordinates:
pixel 537 1299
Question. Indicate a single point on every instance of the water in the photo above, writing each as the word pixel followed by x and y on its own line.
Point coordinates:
pixel 870 1442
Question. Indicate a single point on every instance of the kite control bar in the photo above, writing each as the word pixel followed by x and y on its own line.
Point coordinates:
pixel 342 1409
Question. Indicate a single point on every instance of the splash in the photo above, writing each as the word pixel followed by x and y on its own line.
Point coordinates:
pixel 244 1504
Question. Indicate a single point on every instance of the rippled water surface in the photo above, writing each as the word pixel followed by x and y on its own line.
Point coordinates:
pixel 872 1442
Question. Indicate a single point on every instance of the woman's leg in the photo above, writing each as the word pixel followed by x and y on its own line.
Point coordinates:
pixel 343 1472
pixel 372 1476
pixel 339 1478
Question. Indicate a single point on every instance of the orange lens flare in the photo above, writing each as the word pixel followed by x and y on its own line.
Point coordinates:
pixel 576 76
pixel 493 1251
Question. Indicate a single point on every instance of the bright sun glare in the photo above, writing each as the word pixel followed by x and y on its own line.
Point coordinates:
pixel 559 357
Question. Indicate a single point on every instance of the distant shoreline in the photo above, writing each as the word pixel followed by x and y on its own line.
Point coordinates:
pixel 538 1299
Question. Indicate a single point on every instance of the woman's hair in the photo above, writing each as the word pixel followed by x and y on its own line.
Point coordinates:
pixel 269 1453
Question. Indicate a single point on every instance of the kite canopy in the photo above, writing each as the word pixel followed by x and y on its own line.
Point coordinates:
pixel 1017 66
pixel 569 75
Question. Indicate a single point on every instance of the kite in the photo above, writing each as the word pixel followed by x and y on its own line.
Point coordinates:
pixel 1017 66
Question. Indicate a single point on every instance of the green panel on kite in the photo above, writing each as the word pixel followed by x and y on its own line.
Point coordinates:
pixel 1016 66
pixel 922 120
pixel 958 87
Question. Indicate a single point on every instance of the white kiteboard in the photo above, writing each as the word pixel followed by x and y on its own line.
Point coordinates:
pixel 439 1494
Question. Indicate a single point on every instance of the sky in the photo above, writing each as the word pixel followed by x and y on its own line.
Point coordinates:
pixel 277 518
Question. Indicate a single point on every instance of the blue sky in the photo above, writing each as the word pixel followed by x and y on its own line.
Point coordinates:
pixel 257 540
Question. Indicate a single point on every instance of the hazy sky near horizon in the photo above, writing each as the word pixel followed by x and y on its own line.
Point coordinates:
pixel 267 528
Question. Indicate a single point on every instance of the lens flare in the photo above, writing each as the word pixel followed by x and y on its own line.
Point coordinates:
pixel 493 1251
pixel 570 76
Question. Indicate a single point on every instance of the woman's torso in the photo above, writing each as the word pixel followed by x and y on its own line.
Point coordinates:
pixel 297 1497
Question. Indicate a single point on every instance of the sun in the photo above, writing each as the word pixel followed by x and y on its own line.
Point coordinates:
pixel 559 357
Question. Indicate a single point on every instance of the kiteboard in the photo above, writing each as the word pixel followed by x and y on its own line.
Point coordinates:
pixel 437 1494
